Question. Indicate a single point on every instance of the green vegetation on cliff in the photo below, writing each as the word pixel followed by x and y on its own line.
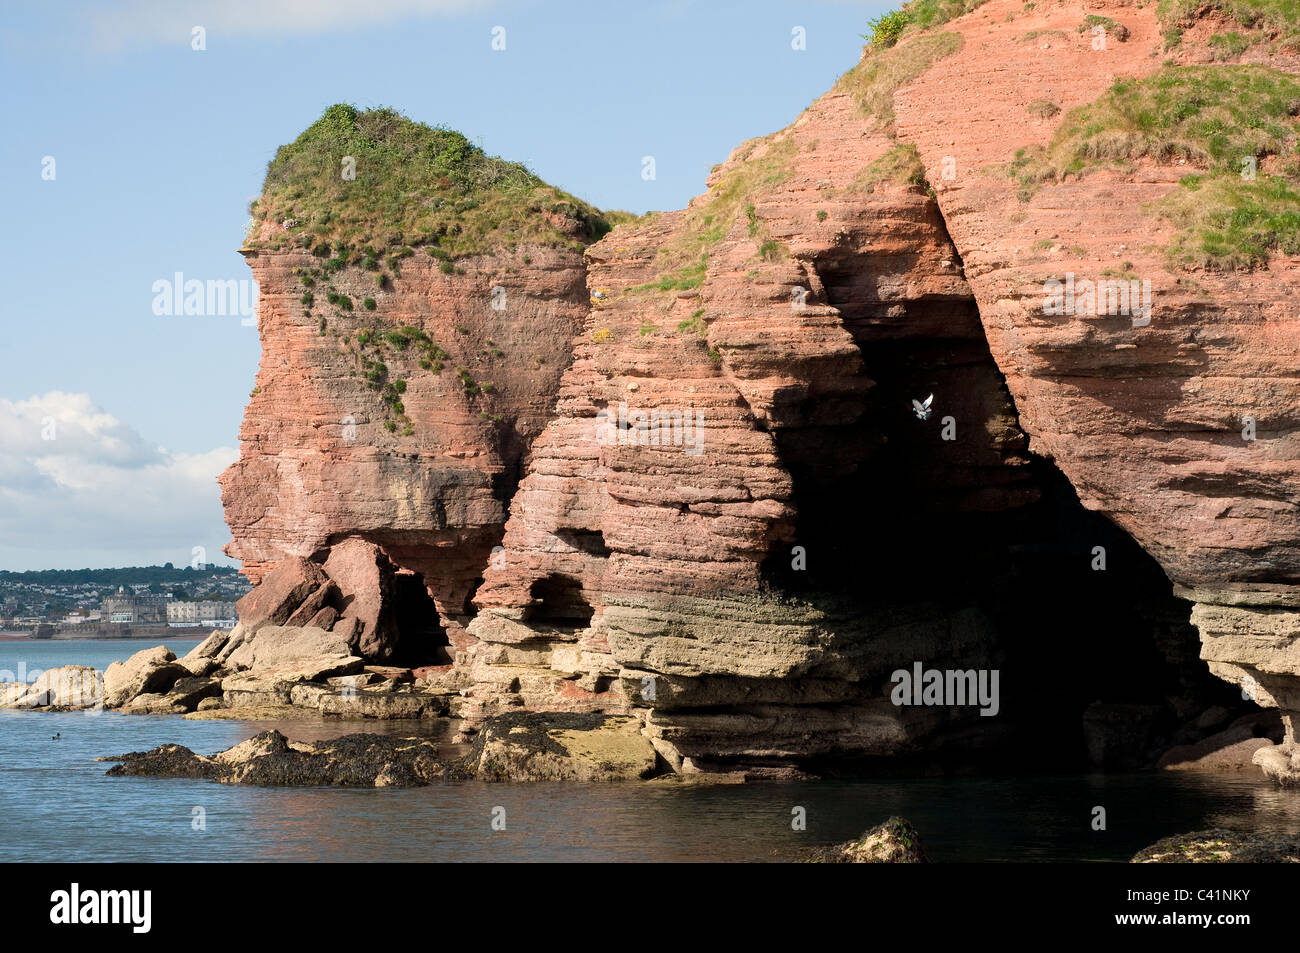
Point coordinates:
pixel 1234 125
pixel 915 17
pixel 882 71
pixel 379 180
pixel 1264 18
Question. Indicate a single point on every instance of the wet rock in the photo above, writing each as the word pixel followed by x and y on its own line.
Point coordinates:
pixel 165 761
pixel 271 759
pixel 148 671
pixel 553 746
pixel 895 841
pixel 1220 846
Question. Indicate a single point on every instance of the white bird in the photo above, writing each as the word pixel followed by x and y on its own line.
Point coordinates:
pixel 921 409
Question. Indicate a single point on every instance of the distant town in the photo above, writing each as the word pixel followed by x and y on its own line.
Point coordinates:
pixel 53 602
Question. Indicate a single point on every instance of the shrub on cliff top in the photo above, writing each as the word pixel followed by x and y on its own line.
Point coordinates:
pixel 915 17
pixel 414 184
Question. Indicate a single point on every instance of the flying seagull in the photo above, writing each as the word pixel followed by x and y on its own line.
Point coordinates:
pixel 922 410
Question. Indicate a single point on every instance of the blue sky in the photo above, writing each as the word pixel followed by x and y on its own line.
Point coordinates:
pixel 158 149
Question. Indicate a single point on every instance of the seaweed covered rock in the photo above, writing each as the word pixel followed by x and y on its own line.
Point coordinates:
pixel 270 759
pixel 895 841
pixel 1219 846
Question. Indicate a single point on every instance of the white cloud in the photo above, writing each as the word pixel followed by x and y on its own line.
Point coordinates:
pixel 78 487
pixel 135 22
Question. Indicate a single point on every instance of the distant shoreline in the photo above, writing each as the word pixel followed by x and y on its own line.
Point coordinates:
pixel 96 635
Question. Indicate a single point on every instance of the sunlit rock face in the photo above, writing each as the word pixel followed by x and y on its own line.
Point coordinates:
pixel 744 462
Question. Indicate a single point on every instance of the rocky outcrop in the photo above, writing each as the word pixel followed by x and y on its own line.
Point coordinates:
pixel 319 465
pixel 741 463
pixel 1220 846
pixel 68 688
pixel 895 841
pixel 514 747
pixel 270 759
pixel 526 746
pixel 152 671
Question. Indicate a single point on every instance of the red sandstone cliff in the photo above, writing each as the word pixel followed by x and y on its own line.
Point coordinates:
pixel 731 516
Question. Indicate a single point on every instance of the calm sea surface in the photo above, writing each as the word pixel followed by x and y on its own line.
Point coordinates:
pixel 57 805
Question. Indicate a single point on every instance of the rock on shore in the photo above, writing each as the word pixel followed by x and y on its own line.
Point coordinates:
pixel 514 747
pixel 1220 846
pixel 271 759
pixel 895 841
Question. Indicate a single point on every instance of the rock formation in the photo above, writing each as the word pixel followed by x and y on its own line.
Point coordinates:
pixel 895 841
pixel 731 467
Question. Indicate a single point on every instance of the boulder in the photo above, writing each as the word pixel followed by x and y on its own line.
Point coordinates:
pixel 209 647
pixel 895 841
pixel 313 605
pixel 151 703
pixel 152 670
pixel 201 659
pixel 366 577
pixel 275 646
pixel 69 687
pixel 394 702
pixel 324 619
pixel 349 630
pixel 555 746
pixel 187 693
pixel 279 594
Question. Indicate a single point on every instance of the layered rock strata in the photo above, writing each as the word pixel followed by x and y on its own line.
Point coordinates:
pixel 806 433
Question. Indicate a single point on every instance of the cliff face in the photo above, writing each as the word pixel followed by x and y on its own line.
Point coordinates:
pixel 319 462
pixel 745 460
pixel 1148 422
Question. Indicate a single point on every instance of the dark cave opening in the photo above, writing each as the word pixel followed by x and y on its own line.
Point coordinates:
pixel 558 601
pixel 943 506
pixel 422 640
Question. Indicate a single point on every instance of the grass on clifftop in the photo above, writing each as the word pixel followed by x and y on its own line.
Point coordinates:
pixel 414 185
pixel 1280 17
pixel 1214 118
pixel 882 71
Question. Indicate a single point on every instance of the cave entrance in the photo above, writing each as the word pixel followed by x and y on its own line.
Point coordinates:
pixel 558 601
pixel 984 549
pixel 422 639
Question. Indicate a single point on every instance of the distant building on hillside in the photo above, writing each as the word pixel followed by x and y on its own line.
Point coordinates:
pixel 126 607
pixel 208 613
